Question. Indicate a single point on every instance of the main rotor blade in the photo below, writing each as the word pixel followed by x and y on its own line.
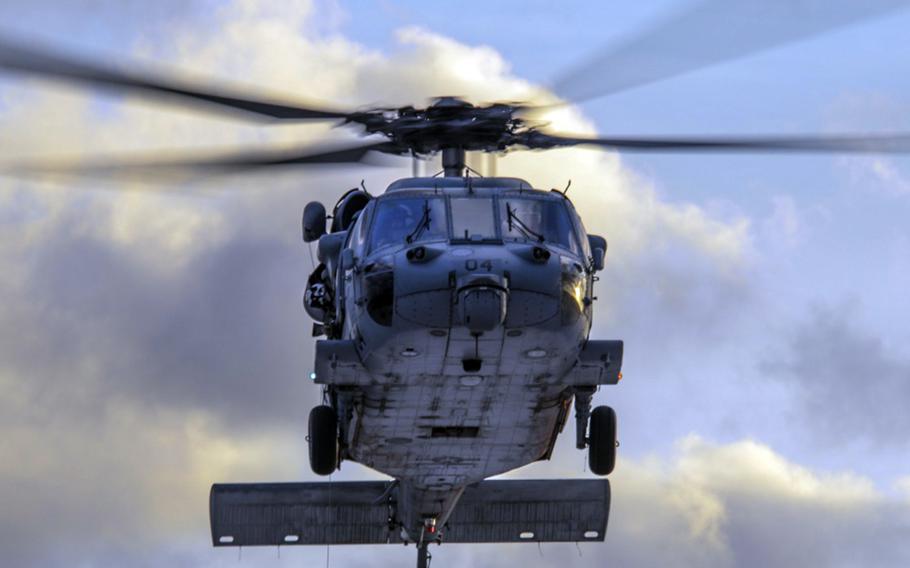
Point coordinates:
pixel 207 164
pixel 872 144
pixel 45 63
pixel 706 33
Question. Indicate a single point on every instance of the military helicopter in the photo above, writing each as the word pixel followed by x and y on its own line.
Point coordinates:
pixel 455 310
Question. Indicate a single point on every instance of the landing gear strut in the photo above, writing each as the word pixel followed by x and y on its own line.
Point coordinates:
pixel 601 428
pixel 583 397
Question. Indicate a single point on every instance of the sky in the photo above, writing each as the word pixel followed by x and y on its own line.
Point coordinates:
pixel 153 342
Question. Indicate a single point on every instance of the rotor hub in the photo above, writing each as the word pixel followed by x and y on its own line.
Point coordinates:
pixel 449 123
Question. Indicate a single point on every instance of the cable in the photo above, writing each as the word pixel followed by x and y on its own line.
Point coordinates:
pixel 328 547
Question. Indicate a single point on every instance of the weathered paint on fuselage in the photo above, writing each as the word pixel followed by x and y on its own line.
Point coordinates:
pixel 424 418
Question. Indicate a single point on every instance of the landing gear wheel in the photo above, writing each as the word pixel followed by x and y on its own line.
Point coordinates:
pixel 323 440
pixel 602 441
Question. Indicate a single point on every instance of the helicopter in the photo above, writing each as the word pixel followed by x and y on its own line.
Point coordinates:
pixel 453 314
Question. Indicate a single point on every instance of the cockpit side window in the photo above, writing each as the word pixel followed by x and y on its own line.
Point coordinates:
pixel 580 232
pixel 541 220
pixel 403 220
pixel 357 232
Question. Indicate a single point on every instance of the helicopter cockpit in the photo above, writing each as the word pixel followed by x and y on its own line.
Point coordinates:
pixel 447 236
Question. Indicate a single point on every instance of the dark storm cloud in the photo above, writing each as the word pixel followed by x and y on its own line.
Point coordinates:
pixel 657 297
pixel 226 333
pixel 850 385
pixel 133 376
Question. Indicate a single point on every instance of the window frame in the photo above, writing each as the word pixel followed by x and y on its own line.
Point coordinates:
pixel 569 217
pixel 370 247
pixel 371 211
pixel 497 234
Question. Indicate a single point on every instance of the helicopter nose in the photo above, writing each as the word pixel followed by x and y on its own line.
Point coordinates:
pixel 483 300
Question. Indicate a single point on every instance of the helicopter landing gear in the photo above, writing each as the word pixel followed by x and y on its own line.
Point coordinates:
pixel 602 441
pixel 583 396
pixel 323 440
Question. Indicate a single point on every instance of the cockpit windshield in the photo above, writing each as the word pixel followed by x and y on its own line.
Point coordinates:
pixel 537 220
pixel 400 221
pixel 473 218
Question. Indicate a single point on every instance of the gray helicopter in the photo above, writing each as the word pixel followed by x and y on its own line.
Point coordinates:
pixel 457 313
pixel 455 310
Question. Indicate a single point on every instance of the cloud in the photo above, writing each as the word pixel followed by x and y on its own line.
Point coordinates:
pixel 889 176
pixel 151 344
pixel 850 386
pixel 736 504
pixel 741 504
pixel 718 505
pixel 113 483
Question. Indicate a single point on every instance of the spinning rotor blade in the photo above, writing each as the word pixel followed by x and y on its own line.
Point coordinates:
pixel 16 57
pixel 211 164
pixel 708 32
pixel 872 144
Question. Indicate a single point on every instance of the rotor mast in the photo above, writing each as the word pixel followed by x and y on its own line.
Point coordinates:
pixel 453 161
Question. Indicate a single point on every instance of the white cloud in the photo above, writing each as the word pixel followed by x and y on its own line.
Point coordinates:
pixel 879 174
pixel 741 504
pixel 737 504
pixel 889 176
pixel 750 467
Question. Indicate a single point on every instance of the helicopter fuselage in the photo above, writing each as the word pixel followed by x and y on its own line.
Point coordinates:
pixel 460 314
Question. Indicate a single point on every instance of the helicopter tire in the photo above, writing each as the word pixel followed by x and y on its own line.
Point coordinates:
pixel 323 440
pixel 602 441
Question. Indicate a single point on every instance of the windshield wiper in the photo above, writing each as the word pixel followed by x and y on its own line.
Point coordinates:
pixel 422 224
pixel 528 232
